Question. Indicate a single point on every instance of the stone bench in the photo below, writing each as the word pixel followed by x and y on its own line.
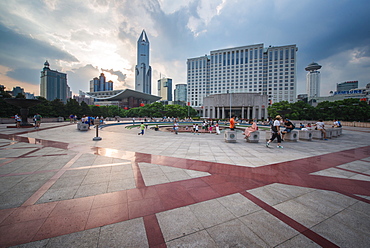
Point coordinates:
pixel 305 135
pixel 230 136
pixel 82 126
pixel 254 137
pixel 317 134
pixel 291 136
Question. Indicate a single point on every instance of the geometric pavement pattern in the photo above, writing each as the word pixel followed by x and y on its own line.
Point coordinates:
pixel 52 196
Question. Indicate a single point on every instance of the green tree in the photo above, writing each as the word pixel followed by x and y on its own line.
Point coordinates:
pixel 57 108
pixel 43 108
pixel 73 107
pixel 85 109
pixel 6 109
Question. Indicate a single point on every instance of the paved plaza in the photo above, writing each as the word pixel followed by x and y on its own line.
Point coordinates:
pixel 59 188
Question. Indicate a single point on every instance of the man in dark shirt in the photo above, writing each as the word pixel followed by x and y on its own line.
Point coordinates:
pixel 289 126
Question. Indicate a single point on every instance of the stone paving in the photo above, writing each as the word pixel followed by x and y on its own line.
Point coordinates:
pixel 59 188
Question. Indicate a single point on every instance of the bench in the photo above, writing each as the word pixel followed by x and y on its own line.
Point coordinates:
pixel 305 135
pixel 291 136
pixel 230 136
pixel 82 126
pixel 254 137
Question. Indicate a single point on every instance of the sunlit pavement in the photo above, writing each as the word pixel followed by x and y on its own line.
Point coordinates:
pixel 59 188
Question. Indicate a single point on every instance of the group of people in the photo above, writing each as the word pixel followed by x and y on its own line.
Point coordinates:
pixel 90 120
pixel 36 119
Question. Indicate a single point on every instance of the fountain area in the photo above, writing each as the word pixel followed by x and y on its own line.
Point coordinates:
pixel 24 105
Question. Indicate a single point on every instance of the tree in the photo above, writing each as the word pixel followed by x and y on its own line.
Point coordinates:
pixel 73 107
pixel 58 108
pixel 85 109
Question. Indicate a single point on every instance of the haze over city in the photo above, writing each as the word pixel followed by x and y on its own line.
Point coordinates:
pixel 86 38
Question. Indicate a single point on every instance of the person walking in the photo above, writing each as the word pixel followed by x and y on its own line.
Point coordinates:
pixel 17 119
pixel 142 128
pixel 197 129
pixel 217 128
pixel 175 127
pixel 275 130
pixel 38 118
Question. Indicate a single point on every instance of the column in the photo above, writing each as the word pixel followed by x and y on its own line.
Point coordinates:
pixel 223 112
pixel 218 113
pixel 259 112
pixel 248 113
pixel 242 112
pixel 253 112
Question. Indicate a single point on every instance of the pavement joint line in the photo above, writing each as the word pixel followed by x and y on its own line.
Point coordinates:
pixel 42 190
pixel 318 239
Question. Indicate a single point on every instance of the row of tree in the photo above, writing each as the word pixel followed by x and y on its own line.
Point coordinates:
pixel 345 110
pixel 57 108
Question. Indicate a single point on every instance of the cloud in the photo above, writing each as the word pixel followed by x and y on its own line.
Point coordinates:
pixel 120 76
pixel 79 78
pixel 18 50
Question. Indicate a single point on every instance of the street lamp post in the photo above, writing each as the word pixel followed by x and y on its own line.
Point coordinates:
pixel 230 102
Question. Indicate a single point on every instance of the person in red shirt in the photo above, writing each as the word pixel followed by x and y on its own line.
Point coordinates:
pixel 232 122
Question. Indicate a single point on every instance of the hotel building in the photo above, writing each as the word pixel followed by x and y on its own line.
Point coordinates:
pixel 269 71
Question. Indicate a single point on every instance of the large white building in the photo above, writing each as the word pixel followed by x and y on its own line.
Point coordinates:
pixel 269 71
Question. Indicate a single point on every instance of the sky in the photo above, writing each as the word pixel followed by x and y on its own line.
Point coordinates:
pixel 86 38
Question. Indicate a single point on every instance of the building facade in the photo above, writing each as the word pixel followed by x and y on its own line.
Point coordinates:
pixel 143 71
pixel 17 90
pixel 165 89
pixel 269 71
pixel 180 92
pixel 242 105
pixel 54 84
pixel 100 84
pixel 313 80
pixel 348 85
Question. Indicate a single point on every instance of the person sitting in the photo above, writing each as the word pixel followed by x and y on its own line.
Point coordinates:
pixel 301 125
pixel 320 125
pixel 289 126
pixel 250 129
pixel 337 123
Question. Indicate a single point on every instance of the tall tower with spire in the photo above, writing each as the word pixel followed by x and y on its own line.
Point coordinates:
pixel 143 71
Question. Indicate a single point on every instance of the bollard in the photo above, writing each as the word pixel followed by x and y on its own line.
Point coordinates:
pixel 96 123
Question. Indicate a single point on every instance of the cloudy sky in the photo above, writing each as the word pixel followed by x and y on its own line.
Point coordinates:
pixel 85 38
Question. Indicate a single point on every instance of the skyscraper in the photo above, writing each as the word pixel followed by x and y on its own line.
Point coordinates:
pixel 165 89
pixel 181 92
pixel 53 84
pixel 143 71
pixel 313 80
pixel 100 84
pixel 270 71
